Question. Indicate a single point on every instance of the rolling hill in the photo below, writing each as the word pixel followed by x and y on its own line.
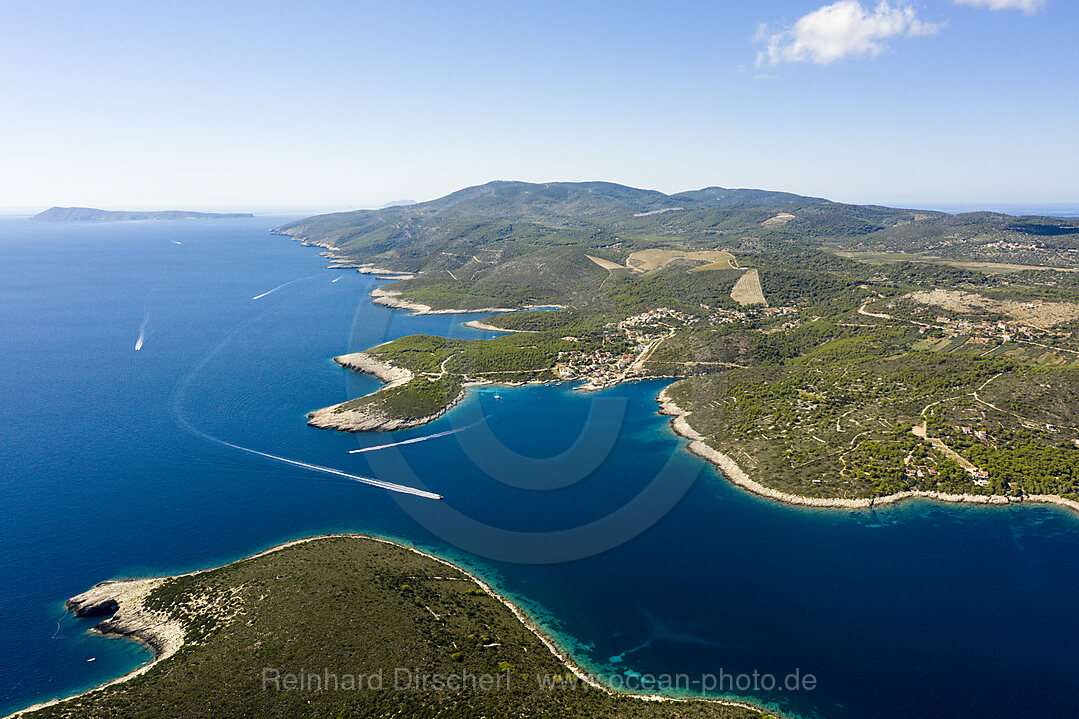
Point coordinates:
pixel 496 222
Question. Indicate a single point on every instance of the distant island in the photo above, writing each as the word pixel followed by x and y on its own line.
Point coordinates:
pixel 91 214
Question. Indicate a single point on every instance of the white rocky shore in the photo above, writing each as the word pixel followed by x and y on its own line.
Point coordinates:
pixel 341 261
pixel 392 299
pixel 125 601
pixel 737 476
pixel 481 325
pixel 391 374
pixel 368 419
pixel 382 273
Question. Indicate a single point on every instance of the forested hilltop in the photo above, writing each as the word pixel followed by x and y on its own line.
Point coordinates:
pixel 832 351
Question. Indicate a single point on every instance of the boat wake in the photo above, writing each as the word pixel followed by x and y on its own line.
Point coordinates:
pixel 142 330
pixel 181 419
pixel 414 440
pixel 391 486
pixel 56 634
pixel 279 287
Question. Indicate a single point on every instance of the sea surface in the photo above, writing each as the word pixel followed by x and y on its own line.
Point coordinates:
pixel 585 508
pixel 1016 210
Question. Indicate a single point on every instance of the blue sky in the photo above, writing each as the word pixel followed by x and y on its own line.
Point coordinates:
pixel 346 104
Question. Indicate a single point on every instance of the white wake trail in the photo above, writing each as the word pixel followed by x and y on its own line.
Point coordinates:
pixel 436 435
pixel 327 470
pixel 62 617
pixel 403 442
pixel 181 419
pixel 334 280
pixel 177 243
pixel 142 331
pixel 275 289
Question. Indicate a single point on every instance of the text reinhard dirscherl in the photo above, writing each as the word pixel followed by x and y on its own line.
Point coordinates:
pixel 411 679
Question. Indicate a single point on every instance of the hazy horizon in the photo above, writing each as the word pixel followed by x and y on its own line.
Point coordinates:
pixel 1062 209
pixel 344 104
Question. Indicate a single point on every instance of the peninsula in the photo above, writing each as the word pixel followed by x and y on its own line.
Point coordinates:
pixel 90 214
pixel 343 624
pixel 836 355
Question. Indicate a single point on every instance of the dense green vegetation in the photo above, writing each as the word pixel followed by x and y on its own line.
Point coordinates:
pixel 351 606
pixel 419 398
pixel 517 353
pixel 672 287
pixel 818 397
pixel 1032 459
pixel 838 424
pixel 529 354
pixel 538 320
pixel 419 353
pixel 474 232
pixel 514 277
pixel 442 366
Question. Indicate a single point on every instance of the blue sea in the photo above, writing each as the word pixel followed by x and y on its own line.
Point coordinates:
pixel 584 508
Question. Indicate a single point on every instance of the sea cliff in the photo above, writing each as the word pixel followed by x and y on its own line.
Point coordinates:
pixel 125 600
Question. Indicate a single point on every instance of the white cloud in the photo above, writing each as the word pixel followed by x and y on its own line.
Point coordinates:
pixel 1028 6
pixel 842 29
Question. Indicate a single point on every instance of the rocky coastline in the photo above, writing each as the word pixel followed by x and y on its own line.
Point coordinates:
pixel 339 261
pixel 131 619
pixel 125 601
pixel 481 325
pixel 338 418
pixel 165 635
pixel 369 420
pixel 381 273
pixel 737 476
pixel 391 374
pixel 392 299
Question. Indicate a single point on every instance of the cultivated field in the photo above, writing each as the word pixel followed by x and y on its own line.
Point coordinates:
pixel 648 260
pixel 747 290
pixel 781 219
pixel 605 264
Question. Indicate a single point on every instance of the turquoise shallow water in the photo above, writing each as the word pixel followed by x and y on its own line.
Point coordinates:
pixel 918 609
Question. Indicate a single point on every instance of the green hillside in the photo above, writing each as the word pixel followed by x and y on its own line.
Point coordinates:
pixel 835 350
pixel 478 228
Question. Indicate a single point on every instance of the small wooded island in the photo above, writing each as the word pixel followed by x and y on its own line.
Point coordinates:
pixel 343 626
pixel 92 214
